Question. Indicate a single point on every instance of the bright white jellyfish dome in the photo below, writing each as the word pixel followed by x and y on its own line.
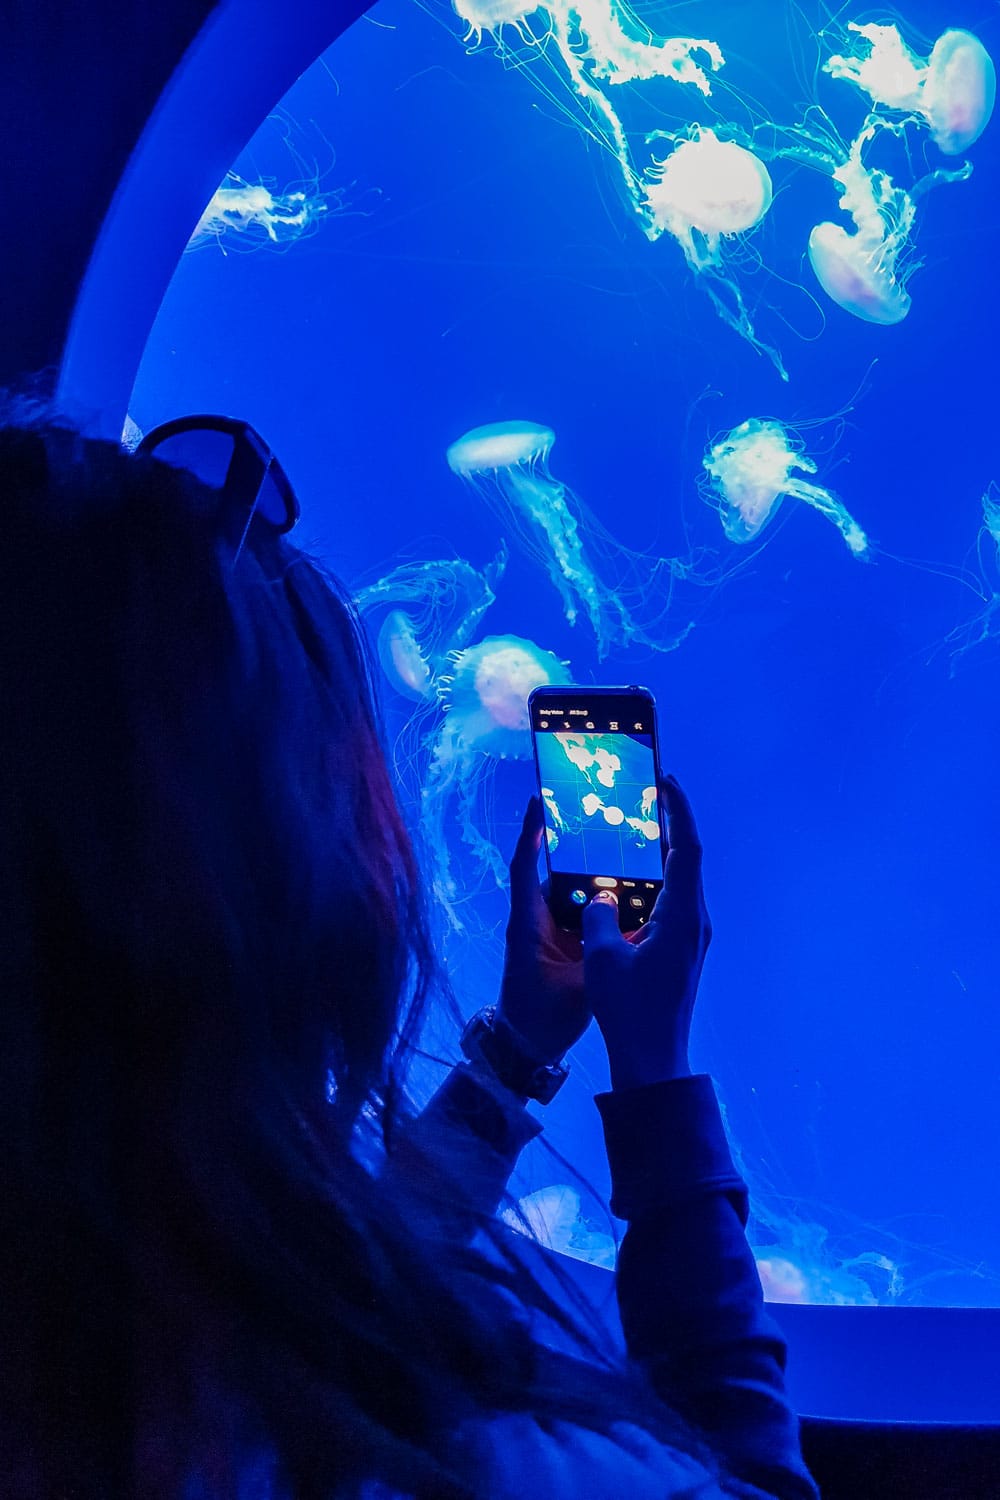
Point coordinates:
pixel 716 187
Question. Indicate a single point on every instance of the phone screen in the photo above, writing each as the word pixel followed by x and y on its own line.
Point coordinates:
pixel 596 755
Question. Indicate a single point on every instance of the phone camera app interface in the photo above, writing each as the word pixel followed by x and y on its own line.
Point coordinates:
pixel 598 781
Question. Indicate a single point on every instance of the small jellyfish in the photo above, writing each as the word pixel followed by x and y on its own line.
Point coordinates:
pixel 251 211
pixel 506 463
pixel 485 720
pixel 952 92
pixel 704 192
pixel 753 468
pixel 446 599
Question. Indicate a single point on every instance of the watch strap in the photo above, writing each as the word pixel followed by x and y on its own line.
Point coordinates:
pixel 490 1040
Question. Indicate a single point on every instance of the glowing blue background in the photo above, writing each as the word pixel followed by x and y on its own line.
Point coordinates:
pixel 846 785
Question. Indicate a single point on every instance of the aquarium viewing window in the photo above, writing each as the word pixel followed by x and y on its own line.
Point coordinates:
pixel 602 354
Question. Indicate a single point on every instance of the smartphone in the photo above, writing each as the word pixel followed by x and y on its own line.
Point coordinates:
pixel 597 757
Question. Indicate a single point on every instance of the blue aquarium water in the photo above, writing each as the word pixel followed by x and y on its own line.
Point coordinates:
pixel 663 351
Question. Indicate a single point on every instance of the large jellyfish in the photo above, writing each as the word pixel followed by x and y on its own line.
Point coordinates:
pixel 507 464
pixel 446 599
pixel 865 272
pixel 953 91
pixel 753 468
pixel 485 720
pixel 704 192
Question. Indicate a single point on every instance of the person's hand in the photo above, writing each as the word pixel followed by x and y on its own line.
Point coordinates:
pixel 642 991
pixel 542 993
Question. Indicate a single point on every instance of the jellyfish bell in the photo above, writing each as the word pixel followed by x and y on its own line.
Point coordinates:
pixel 959 91
pixel 499 445
pixel 491 16
pixel 749 468
pixel 486 695
pixel 856 276
pixel 716 187
pixel 402 658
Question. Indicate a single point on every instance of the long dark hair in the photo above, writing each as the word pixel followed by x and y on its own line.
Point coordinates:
pixel 214 958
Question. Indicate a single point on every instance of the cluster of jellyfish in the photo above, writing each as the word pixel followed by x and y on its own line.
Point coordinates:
pixel 473 692
pixel 708 187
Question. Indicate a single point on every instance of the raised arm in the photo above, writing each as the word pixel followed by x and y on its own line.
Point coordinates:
pixel 690 1299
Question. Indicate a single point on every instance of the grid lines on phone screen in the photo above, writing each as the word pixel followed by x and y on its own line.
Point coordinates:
pixel 599 792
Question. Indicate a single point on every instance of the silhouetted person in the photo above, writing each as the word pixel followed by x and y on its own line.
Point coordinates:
pixel 234 1267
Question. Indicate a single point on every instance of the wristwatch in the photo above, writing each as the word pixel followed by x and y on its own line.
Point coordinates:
pixel 490 1040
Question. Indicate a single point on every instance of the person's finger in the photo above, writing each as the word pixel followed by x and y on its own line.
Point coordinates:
pixel 682 867
pixel 682 831
pixel 524 888
pixel 600 923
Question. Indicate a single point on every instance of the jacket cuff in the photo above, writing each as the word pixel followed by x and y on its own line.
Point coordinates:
pixel 666 1144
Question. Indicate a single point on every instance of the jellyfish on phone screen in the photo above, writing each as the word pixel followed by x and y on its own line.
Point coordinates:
pixel 703 193
pixel 445 600
pixel 753 468
pixel 484 698
pixel 507 463
pixel 952 91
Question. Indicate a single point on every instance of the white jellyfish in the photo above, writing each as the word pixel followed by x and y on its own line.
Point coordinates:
pixel 751 470
pixel 552 1216
pixel 704 192
pixel 507 463
pixel 446 599
pixel 485 720
pixel 866 271
pixel 251 211
pixel 598 39
pixel 952 91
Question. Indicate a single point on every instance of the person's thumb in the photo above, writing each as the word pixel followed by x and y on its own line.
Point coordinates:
pixel 524 891
pixel 600 924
